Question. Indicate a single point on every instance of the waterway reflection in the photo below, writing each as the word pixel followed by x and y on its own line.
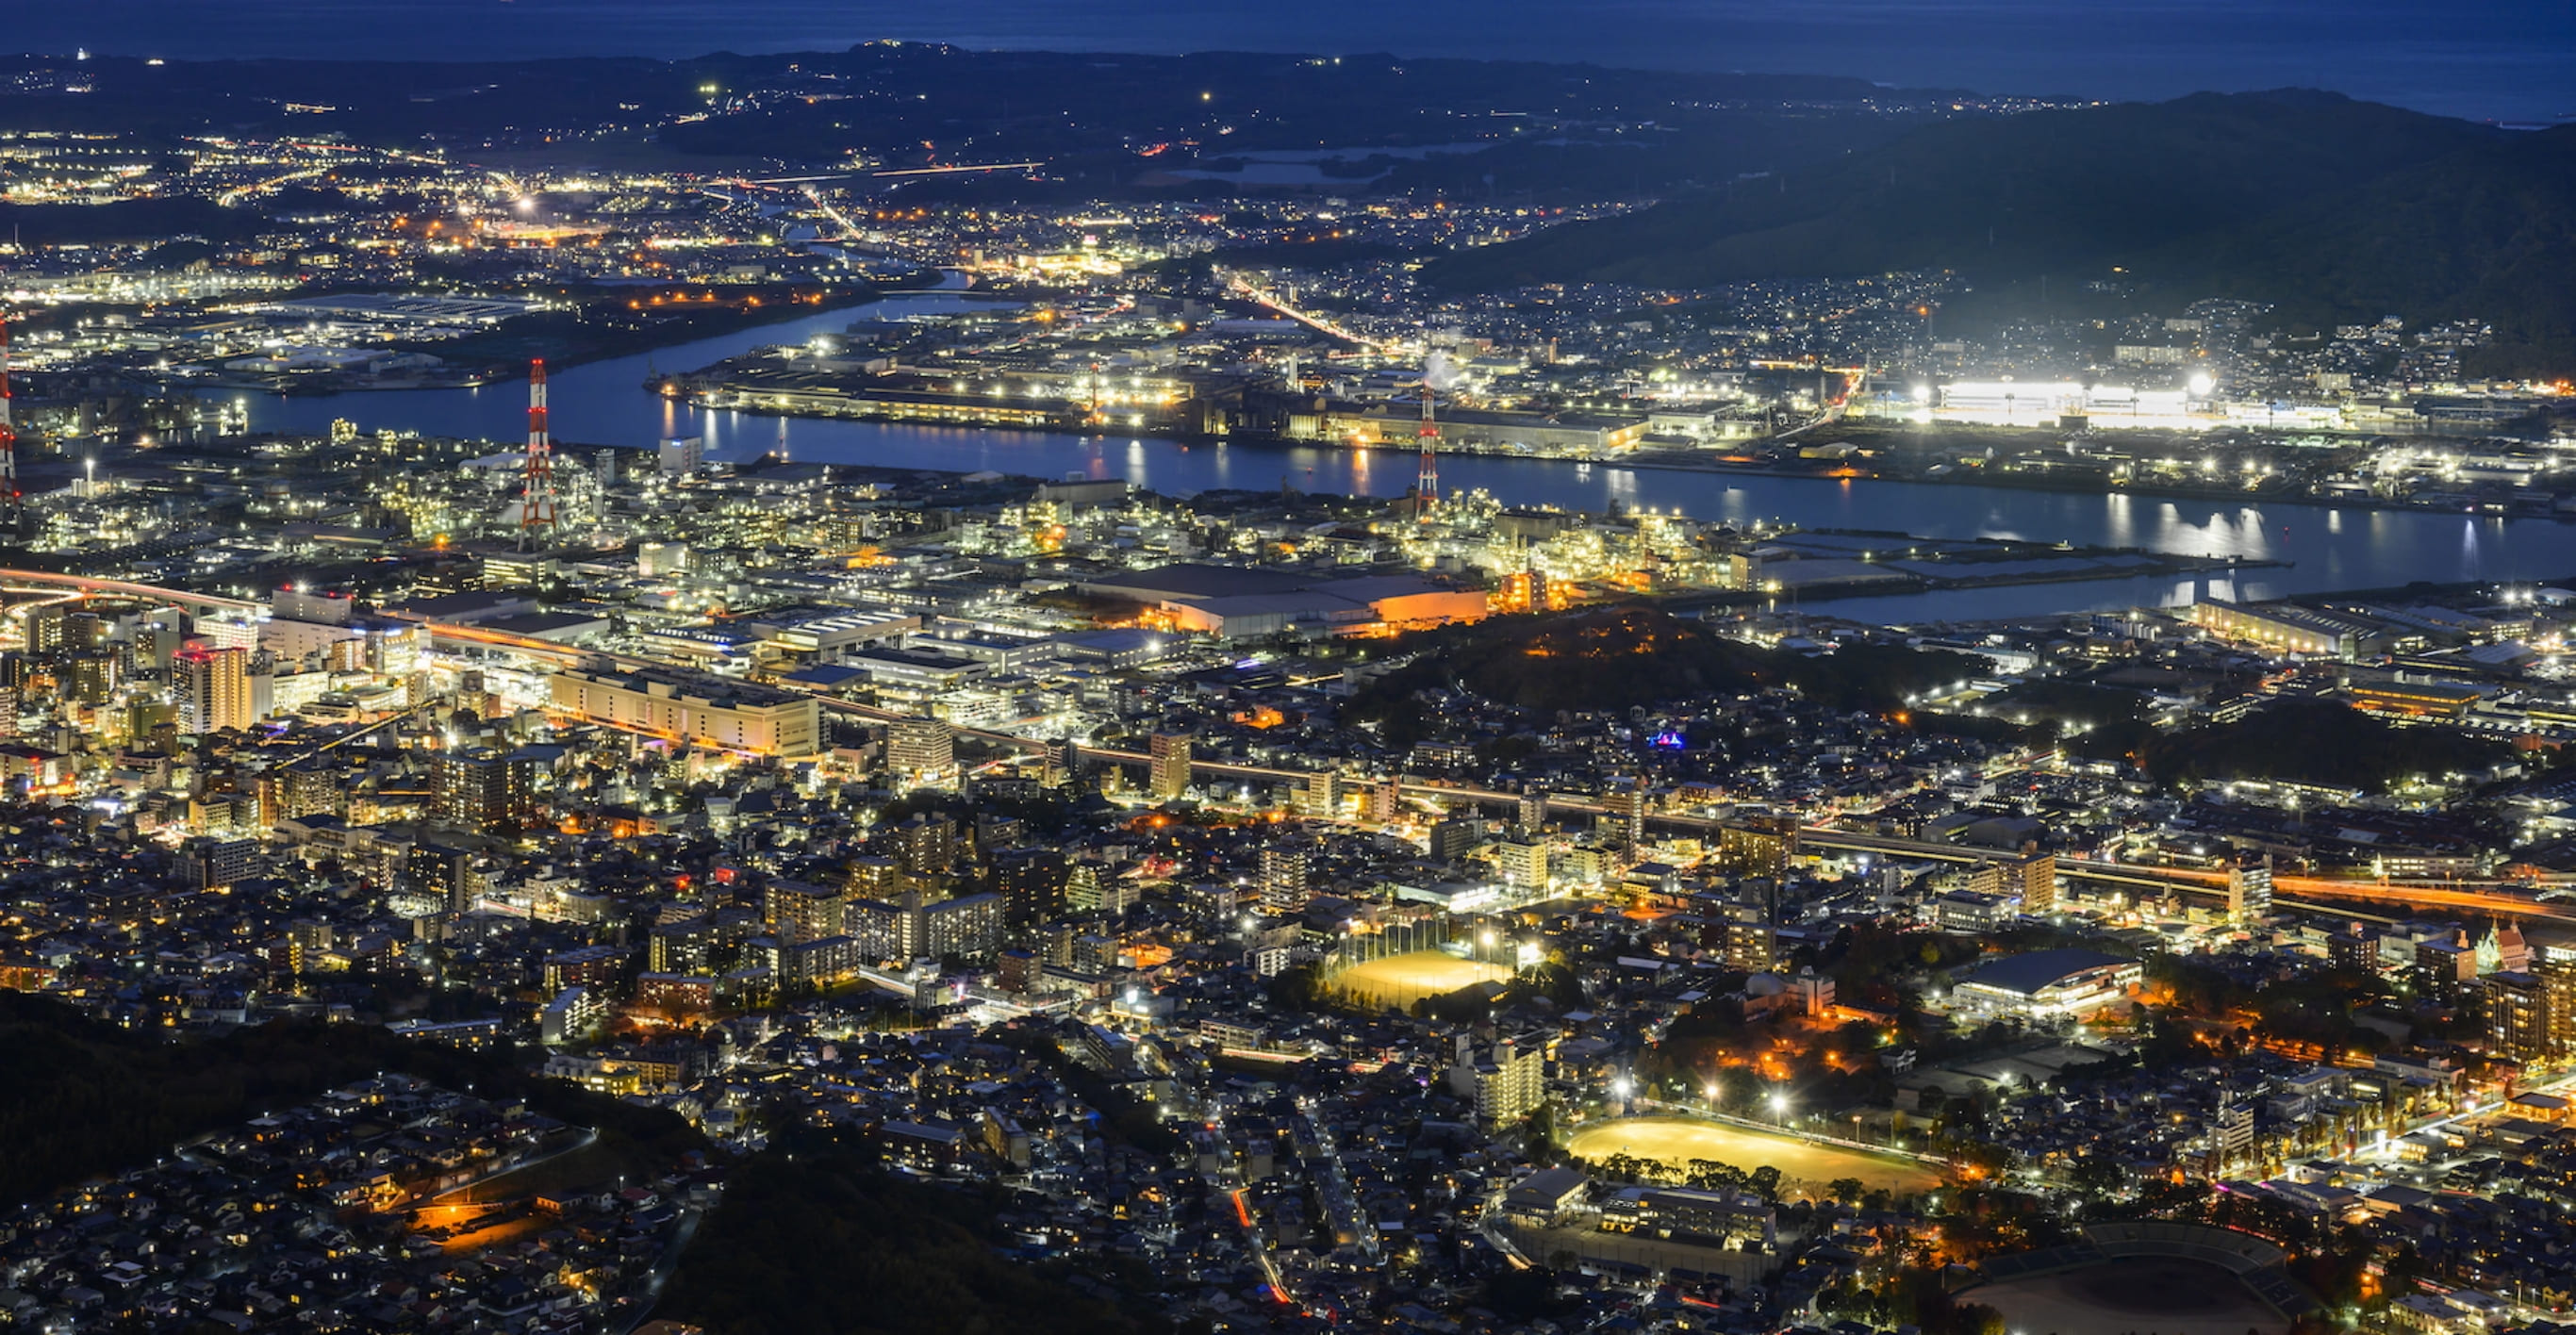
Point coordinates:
pixel 607 403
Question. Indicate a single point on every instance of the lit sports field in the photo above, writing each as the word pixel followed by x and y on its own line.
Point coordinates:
pixel 1401 980
pixel 1678 1140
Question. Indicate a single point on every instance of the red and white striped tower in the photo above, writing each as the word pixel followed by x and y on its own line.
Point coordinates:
pixel 1426 485
pixel 8 429
pixel 537 499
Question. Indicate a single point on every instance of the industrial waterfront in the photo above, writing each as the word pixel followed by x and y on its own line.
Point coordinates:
pixel 2305 548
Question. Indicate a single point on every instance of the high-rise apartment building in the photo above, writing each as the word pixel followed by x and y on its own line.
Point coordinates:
pixel 686 947
pixel 1752 926
pixel 1031 882
pixel 1522 863
pixel 1321 796
pixel 922 753
pixel 2035 877
pixel 486 791
pixel 213 690
pixel 2556 970
pixel 1382 802
pixel 966 926
pixel 1062 763
pixel 2518 1019
pixel 1095 886
pixel 450 873
pixel 1283 880
pixel 2030 879
pixel 1509 1079
pixel 2232 1132
pixel 1761 846
pixel 927 843
pixel 1627 819
pixel 309 787
pixel 799 911
pixel 1455 837
pixel 2249 890
pixel 1169 775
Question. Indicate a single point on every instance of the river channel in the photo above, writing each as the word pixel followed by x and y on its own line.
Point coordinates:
pixel 2325 548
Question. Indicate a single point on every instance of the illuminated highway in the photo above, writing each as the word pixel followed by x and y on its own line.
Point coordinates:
pixel 233 197
pixel 960 169
pixel 47 578
pixel 1260 296
pixel 2287 891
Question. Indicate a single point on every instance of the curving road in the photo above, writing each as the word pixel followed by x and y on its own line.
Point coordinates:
pixel 85 584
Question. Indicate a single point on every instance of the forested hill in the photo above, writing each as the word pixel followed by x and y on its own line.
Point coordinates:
pixel 2332 207
pixel 80 1099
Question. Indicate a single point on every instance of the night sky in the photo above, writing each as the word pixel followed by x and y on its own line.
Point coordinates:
pixel 2495 59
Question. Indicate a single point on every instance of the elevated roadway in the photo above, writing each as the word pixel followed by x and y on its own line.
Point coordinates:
pixel 2288 891
pixel 47 579
pixel 1244 287
pixel 2313 893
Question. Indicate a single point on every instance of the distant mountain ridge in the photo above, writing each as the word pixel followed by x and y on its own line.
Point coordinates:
pixel 2334 208
pixel 870 91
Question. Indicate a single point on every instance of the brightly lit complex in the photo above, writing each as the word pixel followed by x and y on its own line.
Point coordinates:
pixel 2047 984
pixel 2050 403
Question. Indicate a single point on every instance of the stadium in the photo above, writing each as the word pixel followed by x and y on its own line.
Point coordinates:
pixel 2187 1279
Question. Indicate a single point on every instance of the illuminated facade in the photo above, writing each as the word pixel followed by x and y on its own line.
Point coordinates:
pixel 1170 765
pixel 703 711
pixel 213 690
pixel 2283 627
pixel 2249 891
pixel 2435 699
pixel 922 753
pixel 2047 984
pixel 1735 1220
pixel 2030 879
pixel 2518 1021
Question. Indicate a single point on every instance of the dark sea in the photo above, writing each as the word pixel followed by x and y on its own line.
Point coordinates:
pixel 2504 60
